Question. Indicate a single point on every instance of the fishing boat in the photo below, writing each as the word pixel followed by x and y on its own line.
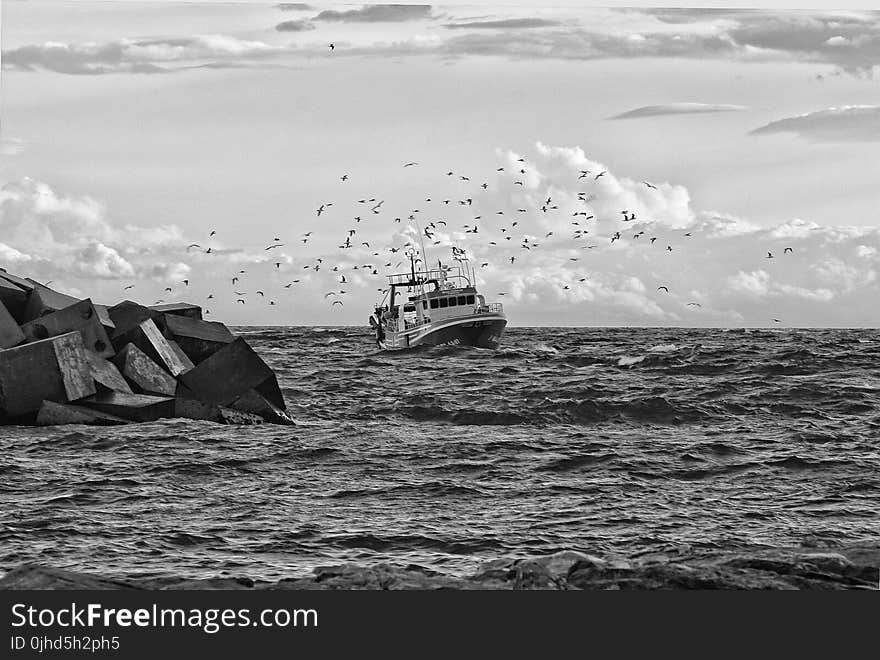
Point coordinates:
pixel 436 307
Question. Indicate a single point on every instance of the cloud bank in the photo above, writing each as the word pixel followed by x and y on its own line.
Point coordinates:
pixel 847 40
pixel 377 14
pixel 852 123
pixel 678 109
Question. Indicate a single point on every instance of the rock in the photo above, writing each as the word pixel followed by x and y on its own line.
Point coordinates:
pixel 144 375
pixel 80 316
pixel 133 407
pixel 54 369
pixel 187 310
pixel 198 339
pixel 51 414
pixel 106 375
pixel 32 576
pixel 230 372
pixel 10 334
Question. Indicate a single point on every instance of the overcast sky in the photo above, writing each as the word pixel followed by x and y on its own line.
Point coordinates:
pixel 132 130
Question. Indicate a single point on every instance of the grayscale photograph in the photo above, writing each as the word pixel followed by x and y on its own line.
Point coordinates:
pixel 487 296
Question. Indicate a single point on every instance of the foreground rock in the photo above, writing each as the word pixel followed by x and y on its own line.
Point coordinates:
pixel 69 361
pixel 798 568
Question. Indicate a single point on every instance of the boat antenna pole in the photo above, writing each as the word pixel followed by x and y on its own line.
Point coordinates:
pixel 424 254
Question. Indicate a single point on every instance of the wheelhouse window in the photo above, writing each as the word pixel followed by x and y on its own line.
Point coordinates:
pixel 470 300
pixel 434 303
pixel 444 302
pixel 424 304
pixel 462 300
pixel 452 301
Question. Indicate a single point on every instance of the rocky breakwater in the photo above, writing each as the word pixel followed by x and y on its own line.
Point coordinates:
pixel 851 568
pixel 70 361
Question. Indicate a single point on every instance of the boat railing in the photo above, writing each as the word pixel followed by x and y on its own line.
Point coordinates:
pixel 420 276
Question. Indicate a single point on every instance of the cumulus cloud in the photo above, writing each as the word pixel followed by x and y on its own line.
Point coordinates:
pixel 377 14
pixel 70 238
pixel 678 109
pixel 850 123
pixel 560 265
pixel 135 55
pixel 301 25
pixel 505 24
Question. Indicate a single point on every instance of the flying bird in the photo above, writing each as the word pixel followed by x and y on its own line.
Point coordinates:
pixel 664 288
pixel 650 185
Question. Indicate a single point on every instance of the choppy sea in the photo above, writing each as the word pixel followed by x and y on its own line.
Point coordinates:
pixel 606 440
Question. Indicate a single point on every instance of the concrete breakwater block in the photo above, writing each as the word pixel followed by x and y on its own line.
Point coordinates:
pixel 144 375
pixel 56 414
pixel 187 310
pixel 229 373
pixel 210 412
pixel 12 296
pixel 106 375
pixel 255 403
pixel 10 334
pixel 42 301
pixel 54 369
pixel 133 407
pixel 149 339
pixel 81 316
pixel 198 339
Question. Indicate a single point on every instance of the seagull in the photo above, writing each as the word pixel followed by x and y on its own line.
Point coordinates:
pixel 694 304
pixel 336 302
pixel 130 286
pixel 344 177
pixel 602 173
pixel 410 164
pixel 650 185
pixel 788 249
pixel 332 47
pixel 192 245
pixel 664 288
pixel 769 255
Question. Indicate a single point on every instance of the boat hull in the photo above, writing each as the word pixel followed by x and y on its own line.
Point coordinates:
pixel 476 331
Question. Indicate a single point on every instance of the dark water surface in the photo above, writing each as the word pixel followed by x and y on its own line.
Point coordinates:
pixel 604 440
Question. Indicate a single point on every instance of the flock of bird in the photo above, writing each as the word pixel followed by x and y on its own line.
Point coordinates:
pixel 426 224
